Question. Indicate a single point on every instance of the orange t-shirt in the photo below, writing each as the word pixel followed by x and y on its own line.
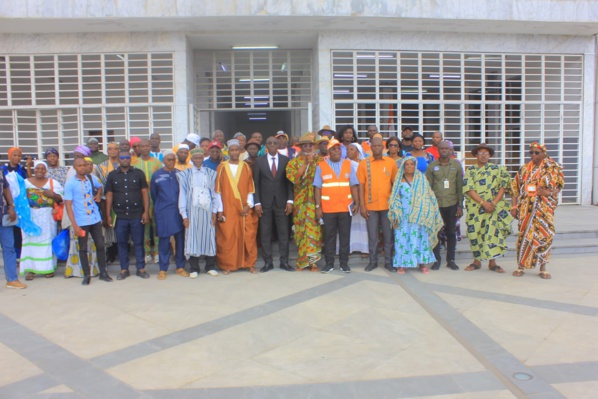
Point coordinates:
pixel 377 180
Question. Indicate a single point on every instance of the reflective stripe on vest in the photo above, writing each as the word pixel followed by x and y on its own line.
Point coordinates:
pixel 336 191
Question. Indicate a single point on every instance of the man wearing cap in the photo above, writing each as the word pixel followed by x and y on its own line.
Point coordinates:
pixel 96 156
pixel 273 203
pixel 488 217
pixel 445 176
pixel 218 135
pixel 164 190
pixel 155 151
pixel 148 166
pixel 215 149
pixel 127 194
pixel 376 176
pixel 198 206
pixel 336 194
pixel 236 230
pixel 191 141
pixel 283 145
pixel 253 148
pixel 135 152
pixel 323 146
pixel 182 157
pixel 308 233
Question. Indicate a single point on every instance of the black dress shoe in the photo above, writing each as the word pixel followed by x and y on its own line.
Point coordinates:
pixel 452 265
pixel 105 277
pixel 436 265
pixel 266 268
pixel 287 268
pixel 390 268
pixel 86 280
pixel 123 275
pixel 370 267
pixel 142 273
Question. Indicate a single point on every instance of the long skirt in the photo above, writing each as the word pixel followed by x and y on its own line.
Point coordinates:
pixel 36 253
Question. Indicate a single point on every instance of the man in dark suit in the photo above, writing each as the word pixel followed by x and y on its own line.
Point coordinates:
pixel 273 203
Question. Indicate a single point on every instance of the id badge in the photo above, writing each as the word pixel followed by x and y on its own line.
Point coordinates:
pixel 447 184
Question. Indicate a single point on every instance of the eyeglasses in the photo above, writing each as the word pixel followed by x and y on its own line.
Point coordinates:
pixel 125 157
pixel 392 145
pixel 483 153
pixel 535 152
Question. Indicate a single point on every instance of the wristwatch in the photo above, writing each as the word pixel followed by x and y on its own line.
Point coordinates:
pixel 317 206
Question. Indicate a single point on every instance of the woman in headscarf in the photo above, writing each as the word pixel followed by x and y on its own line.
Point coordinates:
pixel 535 191
pixel 413 212
pixel 42 194
pixel 55 171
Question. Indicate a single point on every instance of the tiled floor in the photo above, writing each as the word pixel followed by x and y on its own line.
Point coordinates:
pixel 449 334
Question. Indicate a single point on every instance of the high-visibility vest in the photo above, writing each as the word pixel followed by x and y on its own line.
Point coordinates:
pixel 336 191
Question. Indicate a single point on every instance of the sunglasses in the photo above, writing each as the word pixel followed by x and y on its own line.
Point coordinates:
pixel 535 152
pixel 125 157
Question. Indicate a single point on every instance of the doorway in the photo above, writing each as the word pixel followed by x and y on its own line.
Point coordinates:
pixel 267 122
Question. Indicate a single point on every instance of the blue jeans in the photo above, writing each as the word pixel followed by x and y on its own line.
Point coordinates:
pixel 9 255
pixel 123 228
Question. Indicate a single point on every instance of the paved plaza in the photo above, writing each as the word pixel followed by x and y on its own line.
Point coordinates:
pixel 448 334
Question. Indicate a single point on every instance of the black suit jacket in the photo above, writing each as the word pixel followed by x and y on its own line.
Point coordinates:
pixel 272 191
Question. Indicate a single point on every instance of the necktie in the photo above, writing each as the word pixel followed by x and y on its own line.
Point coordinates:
pixel 273 166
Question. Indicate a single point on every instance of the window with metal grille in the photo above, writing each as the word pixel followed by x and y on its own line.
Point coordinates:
pixel 60 100
pixel 253 79
pixel 505 100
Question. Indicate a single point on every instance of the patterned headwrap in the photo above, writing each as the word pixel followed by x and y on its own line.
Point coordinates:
pixel 81 149
pixel 360 149
pixel 134 140
pixel 39 162
pixel 13 149
pixel 196 150
pixel 233 142
pixel 51 151
pixel 424 208
pixel 541 147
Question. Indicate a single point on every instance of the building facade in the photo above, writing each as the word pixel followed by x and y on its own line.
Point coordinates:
pixel 506 73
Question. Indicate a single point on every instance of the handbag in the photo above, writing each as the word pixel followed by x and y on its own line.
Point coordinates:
pixel 58 212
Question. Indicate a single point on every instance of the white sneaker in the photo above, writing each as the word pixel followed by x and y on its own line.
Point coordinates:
pixel 148 259
pixel 156 259
pixel 193 275
pixel 213 272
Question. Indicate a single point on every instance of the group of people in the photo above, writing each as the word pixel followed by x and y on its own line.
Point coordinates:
pixel 220 201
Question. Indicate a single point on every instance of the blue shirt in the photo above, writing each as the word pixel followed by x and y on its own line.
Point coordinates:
pixel 336 167
pixel 85 209
pixel 208 163
pixel 158 155
pixel 21 171
pixel 164 189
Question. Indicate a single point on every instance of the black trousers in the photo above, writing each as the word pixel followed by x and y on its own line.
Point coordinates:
pixel 278 217
pixel 194 263
pixel 98 238
pixel 449 216
pixel 337 224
